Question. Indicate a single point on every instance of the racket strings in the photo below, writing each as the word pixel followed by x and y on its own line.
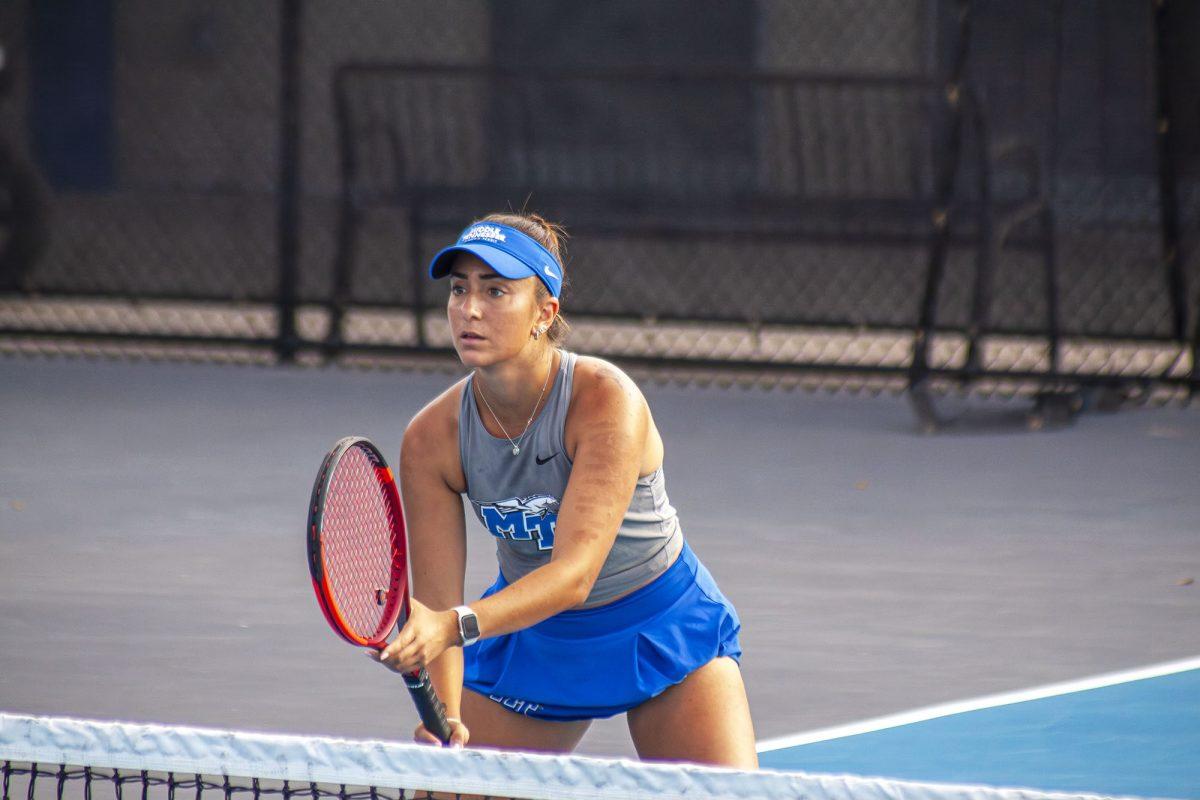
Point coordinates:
pixel 358 542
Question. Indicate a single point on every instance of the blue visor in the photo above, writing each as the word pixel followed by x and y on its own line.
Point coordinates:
pixel 511 253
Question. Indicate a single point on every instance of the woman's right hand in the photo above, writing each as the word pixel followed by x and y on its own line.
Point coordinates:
pixel 459 735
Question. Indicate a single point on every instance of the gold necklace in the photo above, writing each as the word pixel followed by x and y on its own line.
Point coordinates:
pixel 516 445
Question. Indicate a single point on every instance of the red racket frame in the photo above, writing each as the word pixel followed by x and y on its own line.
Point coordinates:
pixel 397 598
pixel 396 608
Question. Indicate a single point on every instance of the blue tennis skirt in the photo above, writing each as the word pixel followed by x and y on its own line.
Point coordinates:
pixel 602 661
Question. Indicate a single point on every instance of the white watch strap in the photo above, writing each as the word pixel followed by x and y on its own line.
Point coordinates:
pixel 462 611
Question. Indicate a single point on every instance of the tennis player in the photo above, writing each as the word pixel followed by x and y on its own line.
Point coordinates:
pixel 600 607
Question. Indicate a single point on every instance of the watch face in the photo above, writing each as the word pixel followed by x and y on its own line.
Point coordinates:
pixel 470 627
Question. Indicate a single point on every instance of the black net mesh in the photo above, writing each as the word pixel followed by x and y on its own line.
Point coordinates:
pixel 62 782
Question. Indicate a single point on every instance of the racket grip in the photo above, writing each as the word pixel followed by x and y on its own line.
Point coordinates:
pixel 429 705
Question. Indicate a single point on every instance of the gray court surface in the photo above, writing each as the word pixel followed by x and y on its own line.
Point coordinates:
pixel 152 554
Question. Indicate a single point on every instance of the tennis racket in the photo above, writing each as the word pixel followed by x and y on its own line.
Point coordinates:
pixel 358 557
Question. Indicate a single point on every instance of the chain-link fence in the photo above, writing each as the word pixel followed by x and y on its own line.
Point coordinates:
pixel 828 190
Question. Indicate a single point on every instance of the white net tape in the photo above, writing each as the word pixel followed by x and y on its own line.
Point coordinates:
pixel 304 759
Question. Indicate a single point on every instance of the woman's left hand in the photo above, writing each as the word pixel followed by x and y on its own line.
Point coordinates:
pixel 424 637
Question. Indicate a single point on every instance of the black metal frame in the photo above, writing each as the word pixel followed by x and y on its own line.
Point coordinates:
pixel 289 177
pixel 417 199
pixel 1172 242
pixel 930 213
pixel 1060 396
pixel 949 220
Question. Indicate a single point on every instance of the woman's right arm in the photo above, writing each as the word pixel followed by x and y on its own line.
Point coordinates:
pixel 430 482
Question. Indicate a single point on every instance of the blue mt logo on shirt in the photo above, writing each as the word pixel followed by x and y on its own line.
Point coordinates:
pixel 523 519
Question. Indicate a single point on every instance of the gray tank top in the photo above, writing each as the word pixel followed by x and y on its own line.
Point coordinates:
pixel 517 498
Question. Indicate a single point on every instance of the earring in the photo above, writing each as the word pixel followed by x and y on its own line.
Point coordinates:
pixel 537 333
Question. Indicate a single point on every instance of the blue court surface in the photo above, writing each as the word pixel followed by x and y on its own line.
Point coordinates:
pixel 1129 733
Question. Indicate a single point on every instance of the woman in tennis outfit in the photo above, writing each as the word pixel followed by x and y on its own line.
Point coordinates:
pixel 600 607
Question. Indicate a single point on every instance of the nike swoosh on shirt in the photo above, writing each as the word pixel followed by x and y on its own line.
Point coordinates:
pixel 541 460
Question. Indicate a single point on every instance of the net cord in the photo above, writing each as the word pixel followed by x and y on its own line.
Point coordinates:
pixel 311 759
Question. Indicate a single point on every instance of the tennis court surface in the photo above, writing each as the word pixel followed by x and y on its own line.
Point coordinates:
pixel 1135 732
pixel 152 571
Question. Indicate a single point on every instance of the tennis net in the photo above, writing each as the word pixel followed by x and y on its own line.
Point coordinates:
pixel 45 757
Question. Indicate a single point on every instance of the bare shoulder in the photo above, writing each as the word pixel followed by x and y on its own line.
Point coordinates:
pixel 438 419
pixel 432 435
pixel 606 403
pixel 599 382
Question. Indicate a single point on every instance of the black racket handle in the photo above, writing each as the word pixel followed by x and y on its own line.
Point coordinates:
pixel 429 705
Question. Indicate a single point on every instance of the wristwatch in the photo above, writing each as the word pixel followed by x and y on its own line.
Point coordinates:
pixel 468 625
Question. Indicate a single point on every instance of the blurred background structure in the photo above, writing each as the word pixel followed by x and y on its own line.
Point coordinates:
pixel 924 194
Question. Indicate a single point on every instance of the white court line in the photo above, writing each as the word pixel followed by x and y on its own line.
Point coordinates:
pixel 975 704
